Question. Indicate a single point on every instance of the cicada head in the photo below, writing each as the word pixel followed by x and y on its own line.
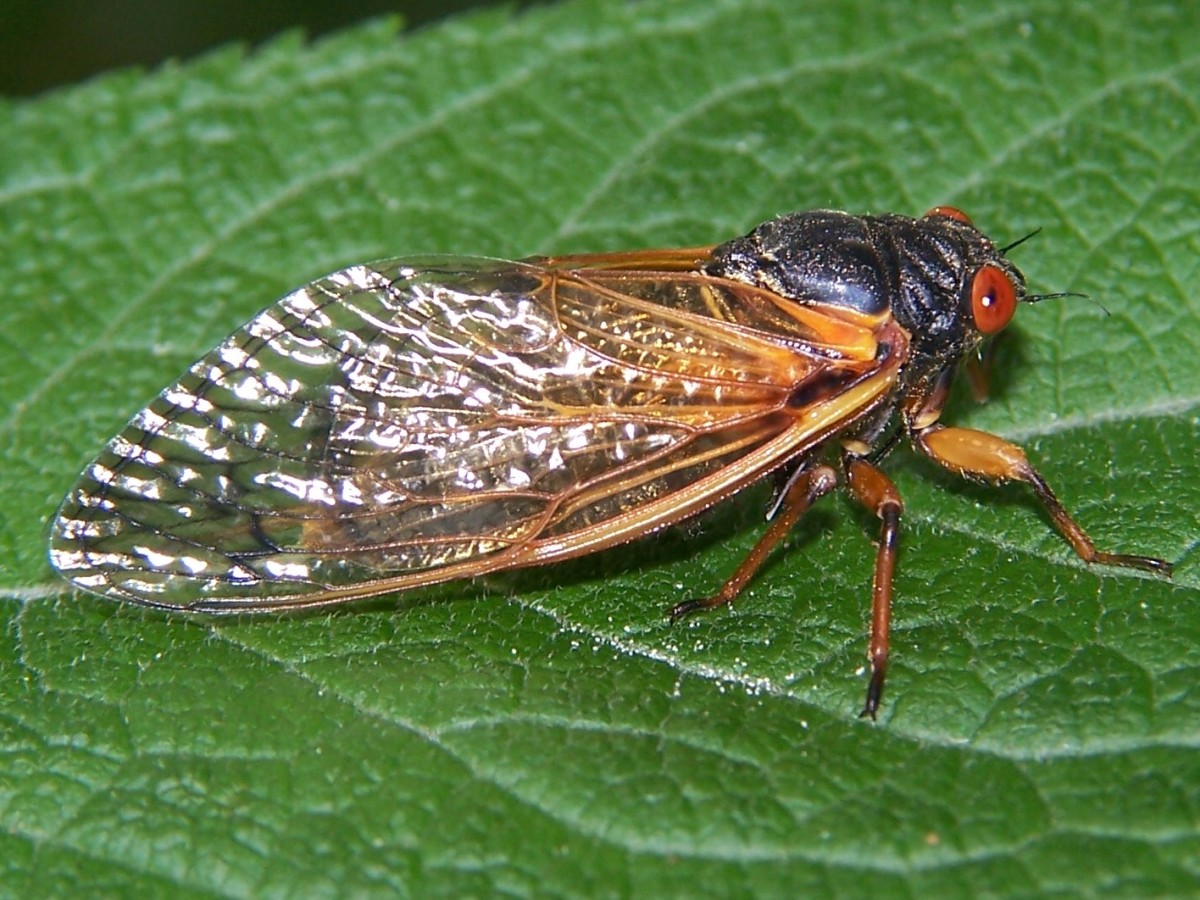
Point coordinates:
pixel 956 287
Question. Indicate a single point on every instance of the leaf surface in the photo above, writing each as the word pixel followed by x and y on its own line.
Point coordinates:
pixel 549 732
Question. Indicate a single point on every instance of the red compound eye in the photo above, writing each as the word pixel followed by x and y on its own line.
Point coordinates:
pixel 950 212
pixel 993 299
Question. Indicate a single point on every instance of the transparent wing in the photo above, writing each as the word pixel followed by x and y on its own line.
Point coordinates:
pixel 409 422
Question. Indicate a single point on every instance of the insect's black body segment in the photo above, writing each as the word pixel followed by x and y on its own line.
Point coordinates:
pixel 917 270
pixel 408 422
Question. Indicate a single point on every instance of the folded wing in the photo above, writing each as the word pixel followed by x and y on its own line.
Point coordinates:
pixel 408 422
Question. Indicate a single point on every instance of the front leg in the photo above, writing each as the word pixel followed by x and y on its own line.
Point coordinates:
pixel 977 454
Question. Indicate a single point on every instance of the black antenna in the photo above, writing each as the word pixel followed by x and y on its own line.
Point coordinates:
pixel 1038 298
pixel 1020 241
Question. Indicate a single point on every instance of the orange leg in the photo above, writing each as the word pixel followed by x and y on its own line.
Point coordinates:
pixel 978 370
pixel 808 487
pixel 977 454
pixel 875 491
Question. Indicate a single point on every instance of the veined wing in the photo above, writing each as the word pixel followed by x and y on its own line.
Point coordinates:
pixel 408 422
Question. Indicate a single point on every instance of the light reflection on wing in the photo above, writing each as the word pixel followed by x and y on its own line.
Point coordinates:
pixel 407 422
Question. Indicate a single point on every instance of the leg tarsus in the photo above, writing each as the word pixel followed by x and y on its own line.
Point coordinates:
pixel 1078 538
pixel 688 607
pixel 874 689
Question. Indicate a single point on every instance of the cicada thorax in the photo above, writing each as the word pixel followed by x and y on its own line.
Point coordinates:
pixel 941 279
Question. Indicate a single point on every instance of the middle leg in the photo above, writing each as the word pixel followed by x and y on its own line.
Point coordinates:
pixel 875 491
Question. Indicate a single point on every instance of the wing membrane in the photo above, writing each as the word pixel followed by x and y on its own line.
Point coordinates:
pixel 408 422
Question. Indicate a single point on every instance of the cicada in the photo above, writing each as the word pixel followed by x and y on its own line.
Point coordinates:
pixel 412 421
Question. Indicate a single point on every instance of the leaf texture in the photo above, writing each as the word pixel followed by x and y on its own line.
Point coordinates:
pixel 547 732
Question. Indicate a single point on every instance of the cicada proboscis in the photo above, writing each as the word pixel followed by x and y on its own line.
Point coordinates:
pixel 413 421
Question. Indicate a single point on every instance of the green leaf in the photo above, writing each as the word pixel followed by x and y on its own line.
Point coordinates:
pixel 549 732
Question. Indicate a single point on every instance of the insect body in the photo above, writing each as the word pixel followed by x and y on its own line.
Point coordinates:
pixel 413 421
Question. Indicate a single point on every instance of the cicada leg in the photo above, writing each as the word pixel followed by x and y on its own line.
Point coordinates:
pixel 978 370
pixel 808 486
pixel 872 489
pixel 875 491
pixel 978 454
